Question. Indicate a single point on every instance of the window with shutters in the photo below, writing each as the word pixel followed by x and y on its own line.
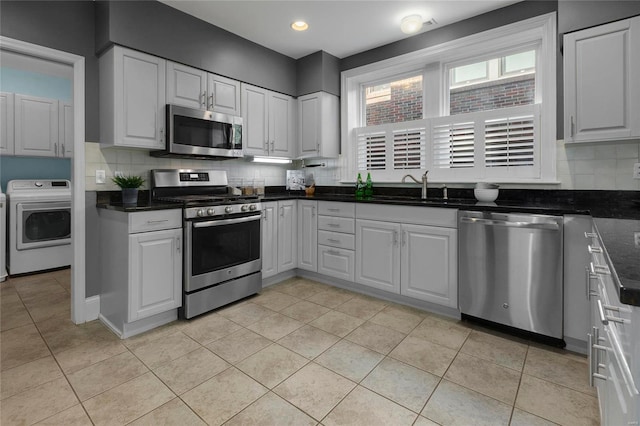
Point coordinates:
pixel 478 108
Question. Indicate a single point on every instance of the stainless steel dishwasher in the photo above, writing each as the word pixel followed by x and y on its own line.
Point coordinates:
pixel 510 270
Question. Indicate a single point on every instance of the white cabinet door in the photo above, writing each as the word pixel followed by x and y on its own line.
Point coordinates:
pixel 186 86
pixel 287 235
pixel 378 254
pixel 36 126
pixel 65 129
pixel 336 262
pixel 602 89
pixel 281 125
pixel 255 120
pixel 308 115
pixel 319 125
pixel 307 235
pixel 155 270
pixel 223 95
pixel 132 99
pixel 269 239
pixel 429 264
pixel 6 123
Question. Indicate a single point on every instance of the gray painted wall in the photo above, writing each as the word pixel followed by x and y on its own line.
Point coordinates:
pixel 317 72
pixel 160 30
pixel 61 25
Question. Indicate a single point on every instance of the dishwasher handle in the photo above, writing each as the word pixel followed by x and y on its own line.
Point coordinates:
pixel 493 222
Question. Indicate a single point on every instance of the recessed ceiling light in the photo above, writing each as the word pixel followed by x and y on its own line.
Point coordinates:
pixel 300 26
pixel 411 24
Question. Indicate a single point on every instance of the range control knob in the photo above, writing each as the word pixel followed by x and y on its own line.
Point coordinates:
pixel 38 184
pixel 211 212
pixel 228 209
pixel 252 207
pixel 200 212
pixel 244 208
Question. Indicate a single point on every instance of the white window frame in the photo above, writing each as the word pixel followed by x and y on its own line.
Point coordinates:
pixel 435 62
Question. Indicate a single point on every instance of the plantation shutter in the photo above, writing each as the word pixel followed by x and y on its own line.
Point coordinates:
pixel 453 145
pixel 409 148
pixel 371 150
pixel 509 141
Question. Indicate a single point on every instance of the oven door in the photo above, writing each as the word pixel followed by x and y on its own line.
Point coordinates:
pixel 43 224
pixel 220 250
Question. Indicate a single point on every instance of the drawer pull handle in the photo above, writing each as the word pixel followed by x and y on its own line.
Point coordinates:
pixel 333 240
pixel 599 269
pixel 333 252
pixel 604 318
pixel 589 276
pixel 334 210
pixel 334 225
pixel 590 235
pixel 594 249
pixel 154 222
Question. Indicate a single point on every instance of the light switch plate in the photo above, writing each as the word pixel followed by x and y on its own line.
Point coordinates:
pixel 636 171
pixel 101 176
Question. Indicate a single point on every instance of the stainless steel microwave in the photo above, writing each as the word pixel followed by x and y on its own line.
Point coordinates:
pixel 201 134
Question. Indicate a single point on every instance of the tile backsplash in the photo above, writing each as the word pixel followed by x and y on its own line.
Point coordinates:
pixel 605 165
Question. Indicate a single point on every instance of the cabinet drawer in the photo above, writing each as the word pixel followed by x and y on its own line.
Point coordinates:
pixel 154 220
pixel 334 208
pixel 337 239
pixel 336 224
pixel 337 263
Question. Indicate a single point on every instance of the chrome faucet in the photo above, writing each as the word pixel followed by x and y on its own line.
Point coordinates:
pixel 423 182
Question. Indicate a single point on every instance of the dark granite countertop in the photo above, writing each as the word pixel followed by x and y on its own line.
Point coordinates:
pixel 621 239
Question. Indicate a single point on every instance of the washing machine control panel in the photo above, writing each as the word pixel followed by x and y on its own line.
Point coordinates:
pixel 35 185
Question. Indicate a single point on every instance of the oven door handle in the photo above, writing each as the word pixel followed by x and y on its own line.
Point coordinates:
pixel 210 223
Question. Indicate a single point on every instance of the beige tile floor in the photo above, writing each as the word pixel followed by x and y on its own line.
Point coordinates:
pixel 299 353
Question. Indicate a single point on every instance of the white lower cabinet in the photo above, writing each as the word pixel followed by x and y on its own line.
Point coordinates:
pixel 378 255
pixel 428 264
pixel 336 262
pixel 336 240
pixel 279 237
pixel 307 235
pixel 269 239
pixel 415 256
pixel 141 269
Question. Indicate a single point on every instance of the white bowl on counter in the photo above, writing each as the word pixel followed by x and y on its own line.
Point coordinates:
pixel 485 195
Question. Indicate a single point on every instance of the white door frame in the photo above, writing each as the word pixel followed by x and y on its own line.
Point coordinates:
pixel 78 284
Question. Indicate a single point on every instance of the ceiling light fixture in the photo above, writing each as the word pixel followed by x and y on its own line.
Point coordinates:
pixel 299 25
pixel 411 24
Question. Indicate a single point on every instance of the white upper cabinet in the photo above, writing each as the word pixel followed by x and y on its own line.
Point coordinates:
pixel 36 126
pixel 186 86
pixel 255 124
pixel 223 95
pixel 601 84
pixel 194 88
pixel 6 123
pixel 132 99
pixel 65 129
pixel 268 122
pixel 319 125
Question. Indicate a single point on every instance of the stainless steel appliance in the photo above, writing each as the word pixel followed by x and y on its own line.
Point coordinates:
pixel 222 258
pixel 510 270
pixel 201 134
pixel 39 218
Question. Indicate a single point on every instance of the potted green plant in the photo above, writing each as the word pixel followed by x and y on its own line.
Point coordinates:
pixel 129 186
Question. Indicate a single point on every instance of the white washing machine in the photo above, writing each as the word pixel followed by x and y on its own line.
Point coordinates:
pixel 39 217
pixel 3 236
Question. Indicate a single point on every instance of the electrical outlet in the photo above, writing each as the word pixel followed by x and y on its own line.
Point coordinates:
pixel 636 239
pixel 118 174
pixel 636 171
pixel 101 176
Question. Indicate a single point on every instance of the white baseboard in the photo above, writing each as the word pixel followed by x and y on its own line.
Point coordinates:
pixel 92 308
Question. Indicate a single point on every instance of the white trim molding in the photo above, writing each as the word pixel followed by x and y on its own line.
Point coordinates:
pixel 92 308
pixel 78 284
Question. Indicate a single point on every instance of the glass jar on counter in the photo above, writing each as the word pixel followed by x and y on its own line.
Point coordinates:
pixel 258 187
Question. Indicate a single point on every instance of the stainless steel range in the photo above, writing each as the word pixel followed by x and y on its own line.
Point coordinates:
pixel 222 261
